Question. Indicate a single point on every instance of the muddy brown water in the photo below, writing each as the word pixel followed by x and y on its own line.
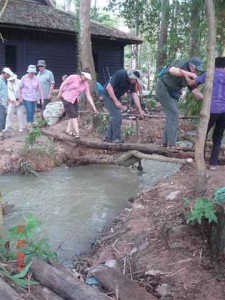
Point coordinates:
pixel 75 204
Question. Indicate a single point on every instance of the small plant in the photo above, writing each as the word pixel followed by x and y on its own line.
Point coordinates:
pixel 22 245
pixel 33 135
pixel 102 123
pixel 151 103
pixel 203 209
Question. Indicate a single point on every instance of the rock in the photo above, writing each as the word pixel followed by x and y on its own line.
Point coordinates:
pixel 112 263
pixel 163 289
pixel 173 195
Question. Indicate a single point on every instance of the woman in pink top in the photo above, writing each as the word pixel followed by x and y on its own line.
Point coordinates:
pixel 70 91
pixel 30 87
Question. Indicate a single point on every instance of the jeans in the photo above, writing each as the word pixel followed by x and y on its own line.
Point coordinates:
pixel 30 110
pixel 219 121
pixel 2 117
pixel 114 130
pixel 170 107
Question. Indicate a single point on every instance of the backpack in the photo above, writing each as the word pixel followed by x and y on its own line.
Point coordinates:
pixel 163 71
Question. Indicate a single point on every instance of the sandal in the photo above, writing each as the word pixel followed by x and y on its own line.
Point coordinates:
pixel 172 148
pixel 70 133
pixel 77 136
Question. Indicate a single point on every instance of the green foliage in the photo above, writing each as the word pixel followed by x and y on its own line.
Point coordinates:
pixel 220 195
pixel 204 209
pixel 18 279
pixel 129 130
pixel 151 103
pixel 190 106
pixel 102 123
pixel 32 136
pixel 34 245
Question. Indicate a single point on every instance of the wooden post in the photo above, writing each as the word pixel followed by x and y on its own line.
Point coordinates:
pixel 137 130
pixel 1 216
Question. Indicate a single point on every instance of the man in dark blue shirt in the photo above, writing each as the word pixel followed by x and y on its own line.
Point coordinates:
pixel 121 82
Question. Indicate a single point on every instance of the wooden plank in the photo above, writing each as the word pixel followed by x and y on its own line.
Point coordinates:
pixel 123 287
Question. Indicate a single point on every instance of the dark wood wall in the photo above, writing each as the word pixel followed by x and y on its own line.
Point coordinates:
pixel 24 47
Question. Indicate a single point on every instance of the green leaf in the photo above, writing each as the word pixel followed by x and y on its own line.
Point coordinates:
pixel 186 201
pixel 22 273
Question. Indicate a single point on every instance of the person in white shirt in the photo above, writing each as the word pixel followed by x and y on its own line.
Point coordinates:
pixel 15 105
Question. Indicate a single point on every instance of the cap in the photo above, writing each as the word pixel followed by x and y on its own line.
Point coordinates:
pixel 197 62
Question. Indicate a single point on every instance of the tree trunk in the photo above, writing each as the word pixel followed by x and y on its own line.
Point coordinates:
pixel 195 20
pixel 162 43
pixel 64 284
pixel 201 179
pixel 85 48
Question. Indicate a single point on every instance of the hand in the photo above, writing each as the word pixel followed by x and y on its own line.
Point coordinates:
pixel 95 111
pixel 42 101
pixel 59 96
pixel 142 114
pixel 49 96
pixel 119 104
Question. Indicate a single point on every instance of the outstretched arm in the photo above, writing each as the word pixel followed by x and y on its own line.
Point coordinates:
pixel 138 104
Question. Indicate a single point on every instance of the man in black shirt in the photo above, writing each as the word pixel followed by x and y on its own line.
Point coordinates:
pixel 121 82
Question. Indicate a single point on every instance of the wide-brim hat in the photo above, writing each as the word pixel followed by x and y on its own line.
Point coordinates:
pixel 32 69
pixel 41 63
pixel 135 74
pixel 197 62
pixel 12 77
pixel 87 75
pixel 8 71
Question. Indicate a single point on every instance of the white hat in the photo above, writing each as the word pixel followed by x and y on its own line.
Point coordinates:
pixel 12 77
pixel 8 71
pixel 87 75
pixel 31 69
pixel 135 74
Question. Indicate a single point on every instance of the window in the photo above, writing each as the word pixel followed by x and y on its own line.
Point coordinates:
pixel 10 57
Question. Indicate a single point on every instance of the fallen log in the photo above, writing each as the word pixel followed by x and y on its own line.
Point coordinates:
pixel 7 293
pixel 183 153
pixel 123 287
pixel 129 158
pixel 41 293
pixel 62 283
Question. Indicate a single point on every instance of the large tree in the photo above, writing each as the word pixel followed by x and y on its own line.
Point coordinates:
pixel 85 47
pixel 201 179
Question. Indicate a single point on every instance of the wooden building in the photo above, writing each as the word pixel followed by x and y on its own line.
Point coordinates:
pixel 34 29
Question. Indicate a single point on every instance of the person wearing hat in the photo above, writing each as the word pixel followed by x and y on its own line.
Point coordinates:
pixel 168 90
pixel 47 80
pixel 70 92
pixel 15 105
pixel 30 89
pixel 120 83
pixel 5 74
pixel 217 109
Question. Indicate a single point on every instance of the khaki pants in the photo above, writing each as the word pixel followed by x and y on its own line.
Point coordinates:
pixel 19 110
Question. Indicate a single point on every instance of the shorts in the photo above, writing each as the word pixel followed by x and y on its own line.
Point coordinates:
pixel 71 109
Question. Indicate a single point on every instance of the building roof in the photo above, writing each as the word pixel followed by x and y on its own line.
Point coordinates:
pixel 23 14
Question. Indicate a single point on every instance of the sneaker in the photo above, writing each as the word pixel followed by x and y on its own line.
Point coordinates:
pixel 117 141
pixel 107 140
pixel 213 168
pixel 21 130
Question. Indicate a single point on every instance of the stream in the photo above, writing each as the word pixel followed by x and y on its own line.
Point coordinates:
pixel 75 204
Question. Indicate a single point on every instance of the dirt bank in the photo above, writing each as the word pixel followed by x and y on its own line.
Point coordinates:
pixel 153 244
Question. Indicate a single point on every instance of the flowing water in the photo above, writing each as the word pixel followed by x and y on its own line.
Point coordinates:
pixel 75 204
